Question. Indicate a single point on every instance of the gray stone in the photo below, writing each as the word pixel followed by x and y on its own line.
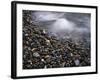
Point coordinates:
pixel 77 62
pixel 36 54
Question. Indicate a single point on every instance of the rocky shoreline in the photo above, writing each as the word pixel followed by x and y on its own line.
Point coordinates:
pixel 41 50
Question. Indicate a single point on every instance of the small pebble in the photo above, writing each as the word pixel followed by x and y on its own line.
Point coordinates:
pixel 36 54
pixel 42 60
pixel 44 31
pixel 77 62
pixel 71 54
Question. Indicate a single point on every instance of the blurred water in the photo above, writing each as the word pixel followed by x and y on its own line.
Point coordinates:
pixel 65 25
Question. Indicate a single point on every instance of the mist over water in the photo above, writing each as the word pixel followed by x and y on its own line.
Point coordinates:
pixel 47 16
pixel 64 25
